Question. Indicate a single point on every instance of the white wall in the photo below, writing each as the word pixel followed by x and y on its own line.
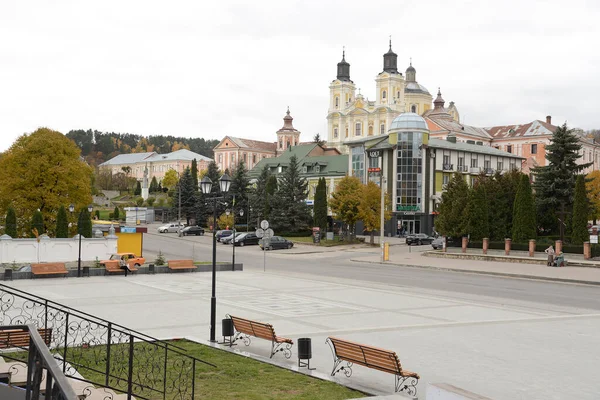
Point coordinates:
pixel 55 250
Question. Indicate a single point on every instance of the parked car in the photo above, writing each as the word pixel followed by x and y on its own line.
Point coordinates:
pixel 130 258
pixel 191 230
pixel 246 239
pixel 171 227
pixel 228 239
pixel 438 243
pixel 276 242
pixel 419 239
pixel 222 234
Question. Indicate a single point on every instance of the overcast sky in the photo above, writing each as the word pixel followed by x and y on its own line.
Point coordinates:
pixel 215 68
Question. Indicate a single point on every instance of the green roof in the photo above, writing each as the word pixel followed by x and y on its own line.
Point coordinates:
pixel 472 148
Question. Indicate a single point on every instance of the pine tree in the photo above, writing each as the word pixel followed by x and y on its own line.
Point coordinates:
pixel 37 224
pixel 270 191
pixel 84 223
pixel 555 183
pixel 579 219
pixel 195 173
pixel 213 174
pixel 453 219
pixel 138 189
pixel 11 223
pixel 320 205
pixel 62 224
pixel 188 197
pixel 258 196
pixel 240 183
pixel 153 185
pixel 478 210
pixel 116 213
pixel 290 212
pixel 524 226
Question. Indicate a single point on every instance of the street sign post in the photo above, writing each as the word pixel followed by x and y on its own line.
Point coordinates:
pixel 265 233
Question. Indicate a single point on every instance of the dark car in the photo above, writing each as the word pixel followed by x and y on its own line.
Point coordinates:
pixel 191 230
pixel 246 239
pixel 222 234
pixel 277 242
pixel 228 239
pixel 419 239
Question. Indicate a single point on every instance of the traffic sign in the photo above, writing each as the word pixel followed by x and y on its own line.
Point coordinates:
pixel 269 233
pixel 264 224
pixel 260 233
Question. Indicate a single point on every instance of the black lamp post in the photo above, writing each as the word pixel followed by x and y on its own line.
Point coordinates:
pixel 71 209
pixel 206 185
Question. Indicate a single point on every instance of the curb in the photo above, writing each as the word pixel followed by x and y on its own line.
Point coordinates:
pixel 497 274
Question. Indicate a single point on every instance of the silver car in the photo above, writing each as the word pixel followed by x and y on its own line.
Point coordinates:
pixel 171 227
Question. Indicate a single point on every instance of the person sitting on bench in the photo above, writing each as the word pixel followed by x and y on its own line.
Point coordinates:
pixel 124 264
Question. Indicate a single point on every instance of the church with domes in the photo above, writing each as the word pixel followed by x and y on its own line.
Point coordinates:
pixel 351 116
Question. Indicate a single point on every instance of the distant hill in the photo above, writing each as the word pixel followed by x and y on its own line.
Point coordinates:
pixel 97 147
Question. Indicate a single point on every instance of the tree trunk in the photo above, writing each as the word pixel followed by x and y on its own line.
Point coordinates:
pixel 372 238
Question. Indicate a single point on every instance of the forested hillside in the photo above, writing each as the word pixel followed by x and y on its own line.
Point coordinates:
pixel 97 147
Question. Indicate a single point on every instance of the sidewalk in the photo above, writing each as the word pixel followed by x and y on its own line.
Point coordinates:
pixel 510 266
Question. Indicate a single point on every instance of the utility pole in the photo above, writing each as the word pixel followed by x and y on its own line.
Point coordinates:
pixel 381 221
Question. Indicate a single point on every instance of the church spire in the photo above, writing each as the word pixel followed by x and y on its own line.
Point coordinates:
pixel 390 60
pixel 411 73
pixel 438 103
pixel 343 68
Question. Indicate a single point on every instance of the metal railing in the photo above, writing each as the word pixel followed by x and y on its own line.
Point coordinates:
pixel 102 353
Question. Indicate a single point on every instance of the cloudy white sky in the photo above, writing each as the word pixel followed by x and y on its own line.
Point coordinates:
pixel 215 68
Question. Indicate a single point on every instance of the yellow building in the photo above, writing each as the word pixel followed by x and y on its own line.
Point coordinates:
pixel 352 116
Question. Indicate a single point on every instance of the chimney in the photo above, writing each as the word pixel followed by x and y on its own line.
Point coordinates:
pixel 549 119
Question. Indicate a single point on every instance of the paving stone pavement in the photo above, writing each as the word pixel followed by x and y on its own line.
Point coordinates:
pixel 495 350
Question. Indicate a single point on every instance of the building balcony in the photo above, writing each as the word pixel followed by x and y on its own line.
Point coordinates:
pixel 462 168
pixel 474 170
pixel 448 167
pixel 489 171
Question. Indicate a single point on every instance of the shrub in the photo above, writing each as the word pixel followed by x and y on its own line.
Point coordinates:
pixel 150 201
pixel 139 201
pixel 160 259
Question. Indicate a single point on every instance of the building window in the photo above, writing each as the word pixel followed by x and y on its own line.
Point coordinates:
pixel 280 143
pixel 317 168
pixel 398 95
pixel 382 129
pixel 288 144
pixel 358 162
pixel 409 185
pixel 446 159
pixel 358 131
pixel 232 158
pixel 245 157
pixel 473 162
pixel 509 148
pixel 513 165
pixel 499 165
pixel 384 94
pixel 220 158
pixel 445 180
pixel 461 163
pixel 413 109
pixel 304 169
pixel 534 149
pixel 253 158
pixel 337 102
pixel 335 132
pixel 370 130
pixel 346 131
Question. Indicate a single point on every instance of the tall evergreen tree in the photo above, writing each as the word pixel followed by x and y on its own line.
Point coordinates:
pixel 153 185
pixel 579 219
pixel 138 189
pixel 188 197
pixel 453 219
pixel 258 197
pixel 11 223
pixel 270 191
pixel 290 212
pixel 478 210
pixel 213 174
pixel 37 223
pixel 84 223
pixel 240 187
pixel 116 213
pixel 195 173
pixel 524 226
pixel 62 223
pixel 555 183
pixel 320 205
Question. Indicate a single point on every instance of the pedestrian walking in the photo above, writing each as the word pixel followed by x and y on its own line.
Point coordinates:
pixel 550 252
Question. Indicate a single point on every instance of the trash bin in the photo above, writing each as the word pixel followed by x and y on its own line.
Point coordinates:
pixel 151 269
pixel 304 352
pixel 227 330
pixel 8 274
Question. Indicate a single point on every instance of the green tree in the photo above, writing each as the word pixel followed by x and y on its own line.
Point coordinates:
pixel 116 213
pixel 62 223
pixel 11 223
pixel 345 201
pixel 317 139
pixel 240 188
pixel 501 192
pixel 84 223
pixel 579 220
pixel 290 212
pixel 188 197
pixel 138 189
pixel 555 183
pixel 320 205
pixel 170 179
pixel 153 185
pixel 195 173
pixel 477 210
pixel 43 170
pixel 453 219
pixel 258 196
pixel 369 208
pixel 524 226
pixel 592 186
pixel 37 224
pixel 270 193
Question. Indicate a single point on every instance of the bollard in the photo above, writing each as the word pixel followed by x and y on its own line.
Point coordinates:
pixel 531 247
pixel 507 242
pixel 486 245
pixel 587 250
pixel 558 247
pixel 465 242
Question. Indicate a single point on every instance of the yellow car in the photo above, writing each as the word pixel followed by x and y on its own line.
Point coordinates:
pixel 131 259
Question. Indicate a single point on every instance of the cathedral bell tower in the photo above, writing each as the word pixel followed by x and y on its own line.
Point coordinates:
pixel 342 94
pixel 390 83
pixel 287 136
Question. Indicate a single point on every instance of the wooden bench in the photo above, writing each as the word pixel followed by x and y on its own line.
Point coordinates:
pixel 181 264
pixel 20 337
pixel 49 269
pixel 115 268
pixel 246 328
pixel 371 357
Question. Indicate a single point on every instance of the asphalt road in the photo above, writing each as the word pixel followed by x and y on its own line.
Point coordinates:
pixel 337 265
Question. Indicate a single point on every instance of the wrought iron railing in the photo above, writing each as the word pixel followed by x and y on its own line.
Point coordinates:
pixel 102 353
pixel 39 360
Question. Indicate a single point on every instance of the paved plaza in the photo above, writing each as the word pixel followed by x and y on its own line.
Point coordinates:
pixel 512 350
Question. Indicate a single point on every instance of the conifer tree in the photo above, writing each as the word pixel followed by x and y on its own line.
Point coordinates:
pixel 240 183
pixel 579 219
pixel 138 189
pixel 62 224
pixel 270 191
pixel 37 224
pixel 453 219
pixel 195 173
pixel 290 212
pixel 153 185
pixel 258 197
pixel 188 197
pixel 524 226
pixel 116 213
pixel 478 211
pixel 320 205
pixel 84 223
pixel 11 223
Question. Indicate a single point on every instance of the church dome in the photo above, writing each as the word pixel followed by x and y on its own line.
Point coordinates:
pixel 409 121
pixel 414 87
